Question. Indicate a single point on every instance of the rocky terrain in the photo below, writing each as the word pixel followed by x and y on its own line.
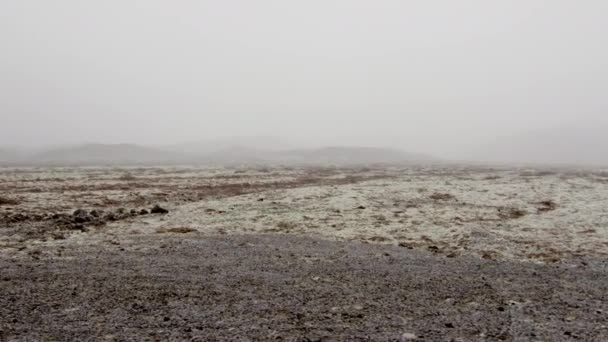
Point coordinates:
pixel 303 254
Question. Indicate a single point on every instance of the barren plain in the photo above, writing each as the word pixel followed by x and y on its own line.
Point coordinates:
pixel 316 253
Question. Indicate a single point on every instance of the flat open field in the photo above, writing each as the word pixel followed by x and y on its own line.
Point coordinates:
pixel 435 253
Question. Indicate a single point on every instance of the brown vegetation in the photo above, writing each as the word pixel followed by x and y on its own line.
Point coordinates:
pixel 510 213
pixel 8 201
pixel 437 196
pixel 544 206
pixel 284 225
pixel 177 230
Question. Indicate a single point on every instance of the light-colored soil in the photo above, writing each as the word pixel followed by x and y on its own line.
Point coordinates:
pixel 540 216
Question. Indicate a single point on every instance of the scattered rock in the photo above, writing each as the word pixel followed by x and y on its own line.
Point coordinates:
pixel 408 337
pixel 379 238
pixel 80 212
pixel 360 207
pixel 8 201
pixel 179 230
pixel 544 206
pixel 18 218
pixel 58 236
pixel 437 196
pixel 77 226
pixel 406 245
pixel 96 213
pixel 157 209
pixel 510 213
pixel 488 255
pixel 144 212
pixel 284 225
pixel 81 216
pixel 110 217
pixel 81 219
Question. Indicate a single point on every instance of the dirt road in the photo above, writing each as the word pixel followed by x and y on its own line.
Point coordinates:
pixel 293 288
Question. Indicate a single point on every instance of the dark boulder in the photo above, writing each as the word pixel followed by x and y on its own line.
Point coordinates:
pixel 158 210
pixel 80 212
pixel 96 213
pixel 81 216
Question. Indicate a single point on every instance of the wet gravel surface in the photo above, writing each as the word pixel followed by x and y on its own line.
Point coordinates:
pixel 292 288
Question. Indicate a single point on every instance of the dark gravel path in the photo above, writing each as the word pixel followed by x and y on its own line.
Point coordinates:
pixel 289 288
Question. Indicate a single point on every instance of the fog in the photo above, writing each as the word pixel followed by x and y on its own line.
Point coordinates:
pixel 445 78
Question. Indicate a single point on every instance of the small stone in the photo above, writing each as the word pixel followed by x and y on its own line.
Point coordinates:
pixel 81 219
pixel 143 212
pixel 405 245
pixel 78 227
pixel 158 210
pixel 80 212
pixel 408 337
pixel 58 236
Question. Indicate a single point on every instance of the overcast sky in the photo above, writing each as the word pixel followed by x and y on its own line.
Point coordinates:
pixel 426 76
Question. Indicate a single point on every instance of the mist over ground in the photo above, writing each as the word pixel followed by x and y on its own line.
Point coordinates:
pixel 320 170
pixel 520 81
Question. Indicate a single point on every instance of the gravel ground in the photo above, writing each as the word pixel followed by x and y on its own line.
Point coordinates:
pixel 293 288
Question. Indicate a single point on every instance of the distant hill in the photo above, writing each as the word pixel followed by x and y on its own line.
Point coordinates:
pixel 355 155
pixel 96 154
pixel 319 156
pixel 583 144
pixel 8 155
pixel 236 145
pixel 129 154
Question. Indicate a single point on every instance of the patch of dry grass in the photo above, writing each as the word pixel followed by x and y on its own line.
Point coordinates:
pixel 127 176
pixel 177 230
pixel 442 197
pixel 8 201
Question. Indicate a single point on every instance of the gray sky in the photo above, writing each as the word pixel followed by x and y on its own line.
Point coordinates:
pixel 426 76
